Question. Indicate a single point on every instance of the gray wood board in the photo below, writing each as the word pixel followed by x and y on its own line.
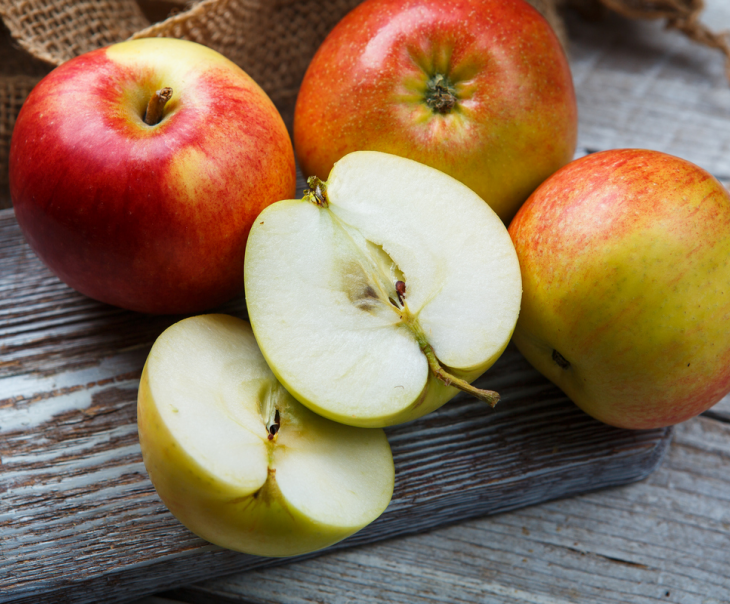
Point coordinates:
pixel 80 521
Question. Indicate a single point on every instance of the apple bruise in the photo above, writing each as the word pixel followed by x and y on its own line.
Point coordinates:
pixel 376 285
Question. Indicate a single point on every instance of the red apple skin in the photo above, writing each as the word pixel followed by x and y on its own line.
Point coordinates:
pixel 149 218
pixel 515 120
pixel 625 260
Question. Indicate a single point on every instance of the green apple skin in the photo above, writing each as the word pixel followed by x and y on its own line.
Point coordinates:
pixel 514 119
pixel 625 259
pixel 149 218
pixel 254 513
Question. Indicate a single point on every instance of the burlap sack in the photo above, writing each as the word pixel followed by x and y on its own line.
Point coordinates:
pixel 272 40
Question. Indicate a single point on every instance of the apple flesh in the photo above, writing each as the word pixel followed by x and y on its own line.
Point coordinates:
pixel 479 89
pixel 382 291
pixel 625 269
pixel 149 217
pixel 238 461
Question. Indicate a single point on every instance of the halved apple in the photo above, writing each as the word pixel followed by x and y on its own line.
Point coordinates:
pixel 382 291
pixel 241 463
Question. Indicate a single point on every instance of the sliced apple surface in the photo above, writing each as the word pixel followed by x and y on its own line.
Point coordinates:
pixel 382 291
pixel 240 462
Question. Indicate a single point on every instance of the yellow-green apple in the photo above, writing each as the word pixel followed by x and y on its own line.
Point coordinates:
pixel 238 461
pixel 479 89
pixel 382 292
pixel 625 259
pixel 151 216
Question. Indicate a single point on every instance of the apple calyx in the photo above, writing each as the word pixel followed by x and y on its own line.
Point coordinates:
pixel 440 94
pixel 317 192
pixel 156 106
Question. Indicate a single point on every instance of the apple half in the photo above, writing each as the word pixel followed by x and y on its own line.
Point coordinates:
pixel 241 463
pixel 382 292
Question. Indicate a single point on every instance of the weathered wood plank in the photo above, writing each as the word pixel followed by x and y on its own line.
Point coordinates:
pixel 78 514
pixel 639 85
pixel 666 539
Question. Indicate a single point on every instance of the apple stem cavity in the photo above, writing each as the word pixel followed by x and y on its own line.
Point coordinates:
pixel 317 192
pixel 440 94
pixel 156 106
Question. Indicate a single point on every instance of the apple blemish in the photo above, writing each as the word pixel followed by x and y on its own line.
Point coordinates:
pixel 560 360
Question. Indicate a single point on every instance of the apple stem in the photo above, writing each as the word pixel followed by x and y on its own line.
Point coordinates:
pixel 155 107
pixel 317 192
pixel 488 396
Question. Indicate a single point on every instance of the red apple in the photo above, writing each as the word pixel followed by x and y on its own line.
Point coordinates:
pixel 152 218
pixel 625 259
pixel 479 89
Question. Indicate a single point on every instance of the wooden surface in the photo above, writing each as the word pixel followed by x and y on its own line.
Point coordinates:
pixel 80 521
pixel 666 539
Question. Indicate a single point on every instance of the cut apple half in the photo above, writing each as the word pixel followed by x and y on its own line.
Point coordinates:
pixel 383 291
pixel 240 462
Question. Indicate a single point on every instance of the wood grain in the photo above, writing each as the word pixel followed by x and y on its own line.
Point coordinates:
pixel 80 521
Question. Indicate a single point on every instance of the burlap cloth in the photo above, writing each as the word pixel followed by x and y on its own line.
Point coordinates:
pixel 272 40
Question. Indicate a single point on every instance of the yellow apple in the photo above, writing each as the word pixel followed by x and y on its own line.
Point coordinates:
pixel 625 259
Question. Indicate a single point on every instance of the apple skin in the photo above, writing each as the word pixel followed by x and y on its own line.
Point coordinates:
pixel 625 259
pixel 514 124
pixel 150 218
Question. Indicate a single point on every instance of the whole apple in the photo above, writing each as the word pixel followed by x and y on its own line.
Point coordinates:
pixel 151 217
pixel 479 89
pixel 625 259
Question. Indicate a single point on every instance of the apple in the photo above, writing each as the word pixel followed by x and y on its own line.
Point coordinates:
pixel 238 461
pixel 151 217
pixel 625 259
pixel 383 292
pixel 479 89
